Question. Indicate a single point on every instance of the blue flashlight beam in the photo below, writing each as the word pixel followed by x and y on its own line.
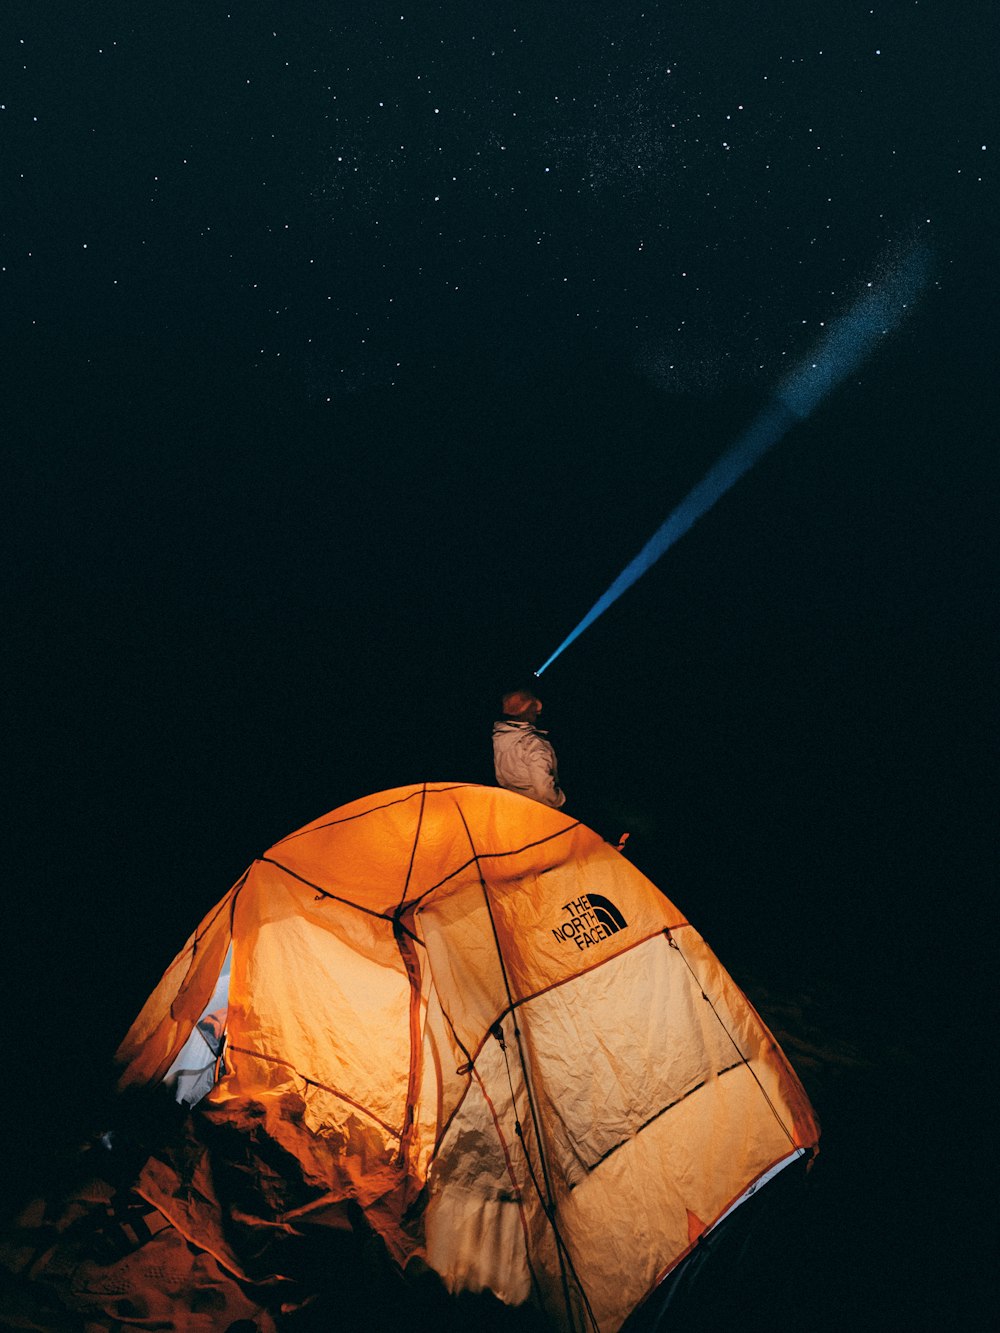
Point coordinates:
pixel 845 347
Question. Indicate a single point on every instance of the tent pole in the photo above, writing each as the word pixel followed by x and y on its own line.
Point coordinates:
pixel 548 1202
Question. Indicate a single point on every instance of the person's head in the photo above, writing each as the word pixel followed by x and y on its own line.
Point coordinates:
pixel 521 705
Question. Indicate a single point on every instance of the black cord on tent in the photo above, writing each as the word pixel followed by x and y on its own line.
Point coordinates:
pixel 334 897
pixel 763 1091
pixel 413 851
pixel 236 890
pixel 547 1200
pixel 479 857
pixel 497 1033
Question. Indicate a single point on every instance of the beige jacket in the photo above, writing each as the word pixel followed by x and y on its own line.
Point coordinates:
pixel 525 762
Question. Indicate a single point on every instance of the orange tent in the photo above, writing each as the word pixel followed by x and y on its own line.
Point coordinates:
pixel 468 1016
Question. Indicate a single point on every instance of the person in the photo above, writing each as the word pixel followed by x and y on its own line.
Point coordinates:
pixel 523 759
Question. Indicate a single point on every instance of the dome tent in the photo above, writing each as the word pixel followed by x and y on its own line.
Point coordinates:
pixel 463 1017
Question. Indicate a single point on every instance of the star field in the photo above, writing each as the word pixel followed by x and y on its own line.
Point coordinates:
pixel 683 192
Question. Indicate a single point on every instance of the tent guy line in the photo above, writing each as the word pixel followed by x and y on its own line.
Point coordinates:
pixel 844 348
pixel 736 1046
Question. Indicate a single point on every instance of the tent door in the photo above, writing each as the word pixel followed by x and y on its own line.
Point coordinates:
pixel 194 1072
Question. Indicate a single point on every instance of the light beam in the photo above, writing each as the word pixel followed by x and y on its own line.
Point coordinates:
pixel 838 354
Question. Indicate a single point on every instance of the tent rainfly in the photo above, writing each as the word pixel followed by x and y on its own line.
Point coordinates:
pixel 469 1017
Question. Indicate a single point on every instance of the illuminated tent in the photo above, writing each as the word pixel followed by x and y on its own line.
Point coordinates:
pixel 468 1019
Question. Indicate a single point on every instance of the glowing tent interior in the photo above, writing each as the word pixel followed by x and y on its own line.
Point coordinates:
pixel 467 1016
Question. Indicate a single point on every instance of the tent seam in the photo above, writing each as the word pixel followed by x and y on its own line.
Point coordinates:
pixel 514 851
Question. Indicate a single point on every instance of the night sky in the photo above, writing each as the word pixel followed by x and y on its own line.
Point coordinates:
pixel 351 352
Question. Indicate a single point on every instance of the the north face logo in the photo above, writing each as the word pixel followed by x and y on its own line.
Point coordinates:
pixel 590 919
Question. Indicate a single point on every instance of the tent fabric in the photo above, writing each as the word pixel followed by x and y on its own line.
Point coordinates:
pixel 467 1016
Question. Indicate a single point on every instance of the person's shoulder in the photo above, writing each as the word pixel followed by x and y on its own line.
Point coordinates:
pixel 538 737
